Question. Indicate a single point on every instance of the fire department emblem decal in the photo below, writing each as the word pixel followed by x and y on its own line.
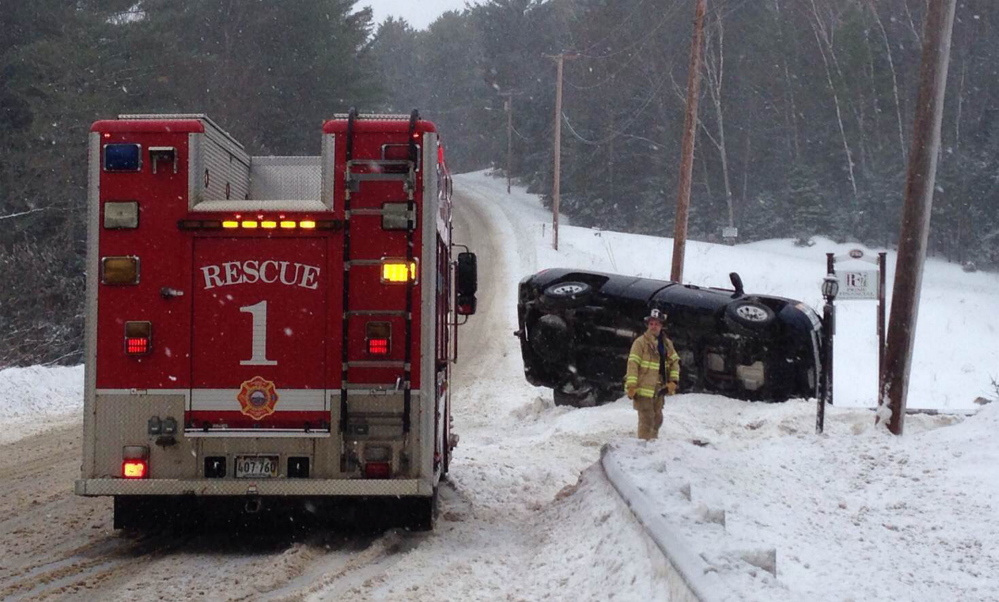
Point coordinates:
pixel 257 397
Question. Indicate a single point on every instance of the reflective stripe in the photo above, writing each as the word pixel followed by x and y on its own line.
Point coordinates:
pixel 645 392
pixel 674 358
pixel 641 363
pixel 631 380
pixel 674 375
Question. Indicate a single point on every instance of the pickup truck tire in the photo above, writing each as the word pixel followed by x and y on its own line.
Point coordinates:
pixel 747 316
pixel 583 398
pixel 566 295
pixel 551 338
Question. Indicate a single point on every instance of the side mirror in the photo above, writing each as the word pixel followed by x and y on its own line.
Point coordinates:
pixel 737 285
pixel 468 283
pixel 468 274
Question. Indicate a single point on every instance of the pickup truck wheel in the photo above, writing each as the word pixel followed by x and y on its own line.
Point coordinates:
pixel 582 398
pixel 551 338
pixel 748 316
pixel 609 395
pixel 566 295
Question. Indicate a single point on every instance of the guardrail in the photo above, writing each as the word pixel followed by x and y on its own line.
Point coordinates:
pixel 690 578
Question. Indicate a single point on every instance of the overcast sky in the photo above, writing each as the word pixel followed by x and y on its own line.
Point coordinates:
pixel 418 13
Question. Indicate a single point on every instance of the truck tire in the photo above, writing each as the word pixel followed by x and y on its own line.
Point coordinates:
pixel 128 511
pixel 748 316
pixel 421 512
pixel 583 398
pixel 566 295
pixel 551 338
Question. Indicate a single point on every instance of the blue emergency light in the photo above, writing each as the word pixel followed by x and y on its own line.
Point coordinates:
pixel 122 157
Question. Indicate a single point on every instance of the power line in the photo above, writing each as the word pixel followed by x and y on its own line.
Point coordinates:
pixel 623 130
pixel 631 57
pixel 616 28
pixel 670 13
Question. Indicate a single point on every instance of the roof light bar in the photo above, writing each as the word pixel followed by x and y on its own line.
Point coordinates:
pixel 259 223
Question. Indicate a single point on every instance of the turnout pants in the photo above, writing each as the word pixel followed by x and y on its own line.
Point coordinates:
pixel 650 416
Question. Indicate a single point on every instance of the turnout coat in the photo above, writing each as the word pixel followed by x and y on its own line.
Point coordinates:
pixel 644 365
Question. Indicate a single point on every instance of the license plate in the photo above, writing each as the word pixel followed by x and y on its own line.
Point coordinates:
pixel 256 467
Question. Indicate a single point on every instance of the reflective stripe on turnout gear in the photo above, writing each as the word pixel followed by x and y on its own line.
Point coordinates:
pixel 643 365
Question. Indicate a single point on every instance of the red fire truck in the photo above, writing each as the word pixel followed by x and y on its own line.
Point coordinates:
pixel 266 330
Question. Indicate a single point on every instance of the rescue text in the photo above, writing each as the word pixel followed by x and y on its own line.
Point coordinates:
pixel 252 271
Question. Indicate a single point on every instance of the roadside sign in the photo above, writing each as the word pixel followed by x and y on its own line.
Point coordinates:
pixel 860 284
pixel 856 285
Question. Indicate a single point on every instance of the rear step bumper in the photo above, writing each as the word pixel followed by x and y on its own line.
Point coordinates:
pixel 260 487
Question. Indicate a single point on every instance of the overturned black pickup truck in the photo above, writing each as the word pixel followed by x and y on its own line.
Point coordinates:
pixel 576 329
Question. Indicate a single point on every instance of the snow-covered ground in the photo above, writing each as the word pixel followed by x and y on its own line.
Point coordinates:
pixel 39 399
pixel 854 514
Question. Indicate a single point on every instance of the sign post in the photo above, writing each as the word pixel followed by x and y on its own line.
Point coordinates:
pixel 864 284
pixel 830 287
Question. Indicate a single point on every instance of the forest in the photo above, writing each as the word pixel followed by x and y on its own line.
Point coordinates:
pixel 806 110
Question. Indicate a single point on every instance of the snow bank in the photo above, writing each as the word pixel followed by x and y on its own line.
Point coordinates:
pixel 38 399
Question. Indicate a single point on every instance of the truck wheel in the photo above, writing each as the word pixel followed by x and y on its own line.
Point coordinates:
pixel 581 398
pixel 551 338
pixel 747 316
pixel 127 512
pixel 566 295
pixel 609 395
pixel 421 512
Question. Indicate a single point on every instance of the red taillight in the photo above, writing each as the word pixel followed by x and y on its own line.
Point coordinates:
pixel 137 346
pixel 134 469
pixel 138 338
pixel 377 470
pixel 378 346
pixel 378 337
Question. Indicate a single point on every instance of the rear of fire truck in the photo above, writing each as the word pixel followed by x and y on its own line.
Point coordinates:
pixel 267 334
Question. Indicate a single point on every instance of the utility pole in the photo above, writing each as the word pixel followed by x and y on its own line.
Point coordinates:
pixel 508 105
pixel 687 149
pixel 557 176
pixel 937 32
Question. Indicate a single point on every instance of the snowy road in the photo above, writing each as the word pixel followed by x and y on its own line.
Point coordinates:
pixel 852 514
pixel 515 523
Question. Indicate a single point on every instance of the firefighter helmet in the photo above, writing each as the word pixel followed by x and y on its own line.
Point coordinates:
pixel 656 314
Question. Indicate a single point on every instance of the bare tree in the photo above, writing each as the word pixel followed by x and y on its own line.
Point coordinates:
pixel 823 38
pixel 714 67
pixel 894 78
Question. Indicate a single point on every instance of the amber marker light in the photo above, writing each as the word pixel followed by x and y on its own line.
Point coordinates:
pixel 307 224
pixel 120 270
pixel 249 223
pixel 398 272
pixel 268 224
pixel 288 225
pixel 230 224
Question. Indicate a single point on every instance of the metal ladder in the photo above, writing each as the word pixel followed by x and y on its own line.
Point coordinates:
pixel 353 180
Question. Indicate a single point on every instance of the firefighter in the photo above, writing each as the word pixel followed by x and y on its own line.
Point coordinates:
pixel 653 373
